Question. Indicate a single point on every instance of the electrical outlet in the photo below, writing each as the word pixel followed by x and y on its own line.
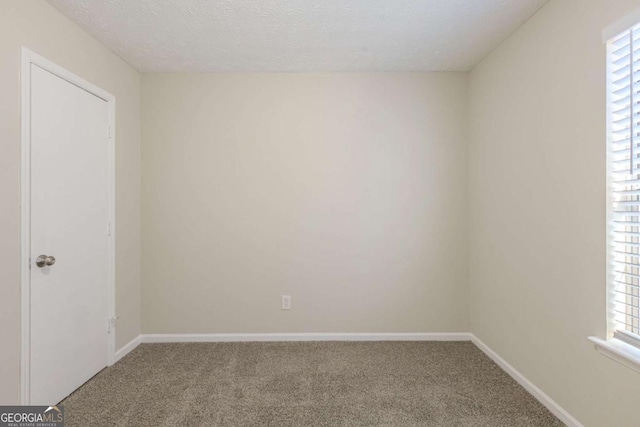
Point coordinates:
pixel 286 302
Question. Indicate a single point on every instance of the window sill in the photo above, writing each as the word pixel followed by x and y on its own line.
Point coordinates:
pixel 619 351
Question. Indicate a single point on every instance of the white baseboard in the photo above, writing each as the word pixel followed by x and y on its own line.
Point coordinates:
pixel 160 338
pixel 127 348
pixel 536 392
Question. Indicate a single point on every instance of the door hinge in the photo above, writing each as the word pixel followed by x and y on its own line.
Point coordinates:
pixel 109 131
pixel 111 324
pixel 109 229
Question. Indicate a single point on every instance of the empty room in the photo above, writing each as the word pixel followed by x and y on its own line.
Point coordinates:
pixel 298 213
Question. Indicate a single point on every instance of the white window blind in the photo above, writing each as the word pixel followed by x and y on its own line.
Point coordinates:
pixel 623 73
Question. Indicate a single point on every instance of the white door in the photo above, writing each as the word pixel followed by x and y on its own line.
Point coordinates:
pixel 69 220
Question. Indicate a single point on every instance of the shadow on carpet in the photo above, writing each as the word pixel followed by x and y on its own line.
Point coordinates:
pixel 301 384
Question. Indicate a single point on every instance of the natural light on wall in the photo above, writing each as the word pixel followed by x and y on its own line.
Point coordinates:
pixel 623 149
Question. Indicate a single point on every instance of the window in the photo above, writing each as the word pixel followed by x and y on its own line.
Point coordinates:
pixel 623 168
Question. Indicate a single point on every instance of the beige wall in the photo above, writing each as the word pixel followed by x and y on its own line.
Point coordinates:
pixel 37 26
pixel 346 191
pixel 350 192
pixel 537 209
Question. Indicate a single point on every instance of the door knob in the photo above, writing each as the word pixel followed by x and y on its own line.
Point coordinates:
pixel 44 260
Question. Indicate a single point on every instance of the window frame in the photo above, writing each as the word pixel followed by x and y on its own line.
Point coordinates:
pixel 618 345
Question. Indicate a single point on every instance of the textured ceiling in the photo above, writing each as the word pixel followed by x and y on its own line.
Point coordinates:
pixel 300 35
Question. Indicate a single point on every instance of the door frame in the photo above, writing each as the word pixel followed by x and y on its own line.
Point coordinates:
pixel 28 58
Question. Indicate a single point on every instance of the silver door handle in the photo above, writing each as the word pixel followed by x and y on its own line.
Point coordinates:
pixel 44 260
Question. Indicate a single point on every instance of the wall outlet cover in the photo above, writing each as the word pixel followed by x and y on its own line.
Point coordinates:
pixel 286 302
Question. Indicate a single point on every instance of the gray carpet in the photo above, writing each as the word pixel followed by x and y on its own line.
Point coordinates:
pixel 391 384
